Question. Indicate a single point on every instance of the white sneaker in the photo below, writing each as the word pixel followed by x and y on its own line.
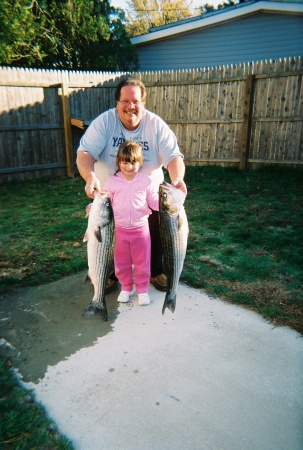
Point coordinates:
pixel 124 296
pixel 143 299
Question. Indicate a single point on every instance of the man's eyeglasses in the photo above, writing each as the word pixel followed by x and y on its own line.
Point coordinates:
pixel 128 103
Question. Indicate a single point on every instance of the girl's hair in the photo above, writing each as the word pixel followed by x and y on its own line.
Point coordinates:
pixel 130 151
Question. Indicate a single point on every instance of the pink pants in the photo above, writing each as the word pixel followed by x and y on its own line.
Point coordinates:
pixel 133 247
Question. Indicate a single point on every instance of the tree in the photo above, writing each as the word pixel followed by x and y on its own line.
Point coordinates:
pixel 19 35
pixel 145 14
pixel 66 34
pixel 208 7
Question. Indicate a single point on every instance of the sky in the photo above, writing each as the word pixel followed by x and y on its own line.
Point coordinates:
pixel 196 3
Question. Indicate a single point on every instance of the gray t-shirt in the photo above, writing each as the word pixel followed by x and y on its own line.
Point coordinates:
pixel 106 133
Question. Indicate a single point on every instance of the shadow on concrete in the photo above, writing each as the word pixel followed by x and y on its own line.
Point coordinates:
pixel 43 325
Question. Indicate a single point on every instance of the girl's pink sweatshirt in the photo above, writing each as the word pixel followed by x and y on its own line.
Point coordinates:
pixel 132 200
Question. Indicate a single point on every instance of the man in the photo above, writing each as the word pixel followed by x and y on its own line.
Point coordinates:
pixel 96 156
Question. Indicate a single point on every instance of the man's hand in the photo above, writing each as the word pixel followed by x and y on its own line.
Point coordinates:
pixel 86 163
pixel 92 185
pixel 179 184
pixel 176 170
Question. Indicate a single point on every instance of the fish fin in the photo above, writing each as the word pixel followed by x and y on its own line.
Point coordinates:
pixel 98 234
pixel 181 221
pixel 88 279
pixel 169 302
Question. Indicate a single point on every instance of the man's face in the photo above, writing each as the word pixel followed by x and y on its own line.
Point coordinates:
pixel 130 107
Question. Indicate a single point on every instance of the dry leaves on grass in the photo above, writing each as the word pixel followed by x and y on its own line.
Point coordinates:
pixel 268 293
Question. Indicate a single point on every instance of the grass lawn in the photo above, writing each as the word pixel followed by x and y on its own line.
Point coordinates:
pixel 24 425
pixel 245 246
pixel 246 239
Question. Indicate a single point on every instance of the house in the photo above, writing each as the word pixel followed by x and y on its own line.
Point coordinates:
pixel 250 31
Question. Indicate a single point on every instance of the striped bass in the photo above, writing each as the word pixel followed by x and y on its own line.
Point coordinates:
pixel 174 233
pixel 100 239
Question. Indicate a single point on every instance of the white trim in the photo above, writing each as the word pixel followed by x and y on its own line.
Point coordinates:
pixel 235 13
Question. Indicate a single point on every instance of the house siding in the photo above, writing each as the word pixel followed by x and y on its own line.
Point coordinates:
pixel 256 37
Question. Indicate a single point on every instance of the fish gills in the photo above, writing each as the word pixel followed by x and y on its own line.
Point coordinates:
pixel 173 233
pixel 100 239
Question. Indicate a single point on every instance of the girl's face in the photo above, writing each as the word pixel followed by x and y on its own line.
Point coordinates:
pixel 129 169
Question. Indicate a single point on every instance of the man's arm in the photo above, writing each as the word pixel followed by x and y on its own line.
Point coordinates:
pixel 85 164
pixel 176 170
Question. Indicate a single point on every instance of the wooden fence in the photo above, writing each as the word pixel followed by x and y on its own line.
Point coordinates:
pixel 243 115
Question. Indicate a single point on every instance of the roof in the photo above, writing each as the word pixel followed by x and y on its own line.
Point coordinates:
pixel 217 17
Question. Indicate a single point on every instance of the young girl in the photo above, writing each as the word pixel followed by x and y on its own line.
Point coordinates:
pixel 132 194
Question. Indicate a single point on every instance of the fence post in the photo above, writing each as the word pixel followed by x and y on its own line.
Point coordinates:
pixel 246 129
pixel 67 131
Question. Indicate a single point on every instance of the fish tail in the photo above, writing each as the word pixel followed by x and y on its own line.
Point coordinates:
pixel 169 302
pixel 103 312
pixel 102 309
pixel 96 309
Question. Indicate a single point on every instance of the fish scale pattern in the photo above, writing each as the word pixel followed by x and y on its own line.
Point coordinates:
pixel 172 243
pixel 100 249
pixel 104 256
pixel 173 233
